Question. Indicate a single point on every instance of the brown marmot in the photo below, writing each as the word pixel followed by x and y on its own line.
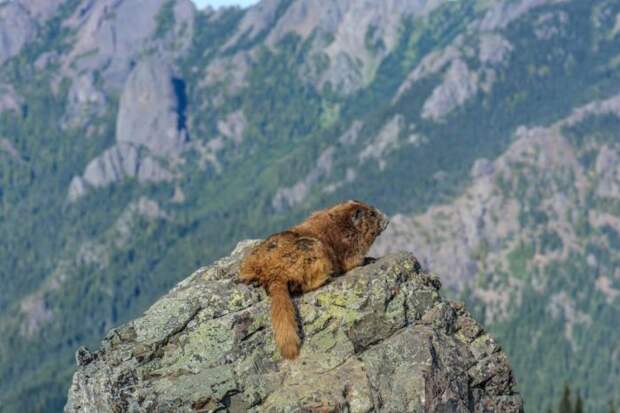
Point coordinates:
pixel 331 241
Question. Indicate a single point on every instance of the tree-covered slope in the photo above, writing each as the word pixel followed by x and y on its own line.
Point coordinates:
pixel 139 142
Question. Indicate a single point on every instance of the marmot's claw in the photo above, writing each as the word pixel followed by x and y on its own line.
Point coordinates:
pixel 369 260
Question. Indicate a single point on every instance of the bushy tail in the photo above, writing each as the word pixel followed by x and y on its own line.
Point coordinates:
pixel 283 320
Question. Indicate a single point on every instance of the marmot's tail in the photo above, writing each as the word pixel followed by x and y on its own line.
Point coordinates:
pixel 283 320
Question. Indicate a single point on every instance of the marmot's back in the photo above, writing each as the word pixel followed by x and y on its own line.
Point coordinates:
pixel 288 255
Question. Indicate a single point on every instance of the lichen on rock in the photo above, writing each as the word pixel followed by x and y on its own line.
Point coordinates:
pixel 377 339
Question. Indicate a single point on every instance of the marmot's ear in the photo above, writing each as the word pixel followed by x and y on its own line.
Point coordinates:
pixel 357 216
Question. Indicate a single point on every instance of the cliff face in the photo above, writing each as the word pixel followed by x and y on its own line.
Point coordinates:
pixel 379 338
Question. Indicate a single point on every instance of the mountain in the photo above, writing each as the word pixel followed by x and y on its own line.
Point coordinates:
pixel 141 140
pixel 379 338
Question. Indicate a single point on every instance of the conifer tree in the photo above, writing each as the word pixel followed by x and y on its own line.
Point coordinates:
pixel 566 404
pixel 578 404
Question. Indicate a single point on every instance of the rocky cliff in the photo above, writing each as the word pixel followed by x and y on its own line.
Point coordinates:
pixel 379 338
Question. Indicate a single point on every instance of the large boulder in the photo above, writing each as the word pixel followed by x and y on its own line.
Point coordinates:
pixel 379 338
pixel 152 111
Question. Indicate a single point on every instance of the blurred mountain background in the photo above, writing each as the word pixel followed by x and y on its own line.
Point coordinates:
pixel 141 140
pixel 223 3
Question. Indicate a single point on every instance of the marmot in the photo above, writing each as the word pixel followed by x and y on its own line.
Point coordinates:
pixel 329 242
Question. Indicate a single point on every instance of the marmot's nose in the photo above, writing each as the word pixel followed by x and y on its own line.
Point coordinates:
pixel 385 221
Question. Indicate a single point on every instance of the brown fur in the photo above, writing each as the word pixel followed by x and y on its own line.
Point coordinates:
pixel 331 241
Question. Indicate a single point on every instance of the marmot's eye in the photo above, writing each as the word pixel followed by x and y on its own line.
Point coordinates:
pixel 357 215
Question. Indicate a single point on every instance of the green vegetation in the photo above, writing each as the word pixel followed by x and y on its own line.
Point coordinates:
pixel 372 42
pixel 574 404
pixel 518 260
pixel 165 19
pixel 600 129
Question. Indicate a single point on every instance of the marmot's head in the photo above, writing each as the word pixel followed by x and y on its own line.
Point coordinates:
pixel 367 221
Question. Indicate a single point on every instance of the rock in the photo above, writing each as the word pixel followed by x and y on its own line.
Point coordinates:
pixel 8 98
pixel 459 85
pixel 385 142
pixel 112 166
pixel 36 313
pixel 7 147
pixel 430 64
pixel 45 59
pixel 340 33
pixel 379 338
pixel 351 135
pixel 258 19
pixel 151 115
pixel 117 163
pixel 233 126
pixel 494 49
pixel 84 101
pixel 549 25
pixel 151 170
pixel 482 167
pixel 294 195
pixel 607 167
pixel 112 33
pixel 77 189
pixel 41 9
pixel 501 14
pixel 16 29
pixel 152 111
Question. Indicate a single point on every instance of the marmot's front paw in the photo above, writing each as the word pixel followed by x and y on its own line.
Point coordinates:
pixel 369 260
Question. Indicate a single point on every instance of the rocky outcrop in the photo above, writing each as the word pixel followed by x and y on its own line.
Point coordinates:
pixel 8 98
pixel 7 147
pixel 19 22
pixel 494 48
pixel 152 109
pixel 385 141
pixel 353 36
pixel 379 338
pixel 40 9
pixel 548 172
pixel 459 85
pixel 16 28
pixel 112 33
pixel 150 127
pixel 607 167
pixel 116 164
pixel 503 13
pixel 460 82
pixel 84 101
